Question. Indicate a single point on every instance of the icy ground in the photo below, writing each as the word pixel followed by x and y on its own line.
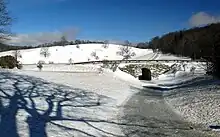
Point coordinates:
pixel 79 104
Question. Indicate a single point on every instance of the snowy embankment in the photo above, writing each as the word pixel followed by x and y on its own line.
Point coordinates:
pixel 197 102
pixel 189 92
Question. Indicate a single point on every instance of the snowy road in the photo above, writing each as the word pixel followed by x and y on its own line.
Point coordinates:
pixel 148 108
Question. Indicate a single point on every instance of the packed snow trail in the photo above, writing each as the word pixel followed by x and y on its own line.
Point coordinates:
pixel 148 108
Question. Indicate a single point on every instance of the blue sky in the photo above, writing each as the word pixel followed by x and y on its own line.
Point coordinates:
pixel 133 20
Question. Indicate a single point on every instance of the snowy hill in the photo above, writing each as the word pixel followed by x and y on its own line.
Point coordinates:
pixel 62 54
pixel 160 56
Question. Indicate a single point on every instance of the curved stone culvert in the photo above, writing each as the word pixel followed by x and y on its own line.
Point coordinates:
pixel 148 108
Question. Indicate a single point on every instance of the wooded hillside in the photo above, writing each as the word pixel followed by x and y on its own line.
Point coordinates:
pixel 195 42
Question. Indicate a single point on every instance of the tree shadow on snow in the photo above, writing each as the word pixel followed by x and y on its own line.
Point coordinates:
pixel 48 103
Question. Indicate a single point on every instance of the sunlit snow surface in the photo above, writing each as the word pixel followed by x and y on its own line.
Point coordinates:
pixel 62 54
pixel 63 100
pixel 68 108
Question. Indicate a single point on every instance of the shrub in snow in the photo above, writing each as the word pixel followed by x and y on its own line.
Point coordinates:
pixel 8 62
pixel 63 41
pixel 19 65
pixel 130 69
pixel 105 64
pixel 114 66
pixel 174 71
pixel 155 50
pixel 100 69
pixel 77 46
pixel 70 61
pixel 106 44
pixel 93 54
pixel 97 57
pixel 40 65
pixel 41 61
pixel 17 54
pixel 89 59
pixel 133 54
pixel 126 52
pixel 51 62
pixel 45 52
pixel 184 67
pixel 192 70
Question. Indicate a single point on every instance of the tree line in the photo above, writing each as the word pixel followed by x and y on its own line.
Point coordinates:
pixel 197 43
pixel 63 42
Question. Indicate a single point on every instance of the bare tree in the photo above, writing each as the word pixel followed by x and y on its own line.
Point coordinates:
pixel 97 57
pixel 106 44
pixel 63 41
pixel 45 52
pixel 5 21
pixel 40 65
pixel 192 70
pixel 70 61
pixel 184 66
pixel 93 54
pixel 17 54
pixel 174 71
pixel 77 46
pixel 126 51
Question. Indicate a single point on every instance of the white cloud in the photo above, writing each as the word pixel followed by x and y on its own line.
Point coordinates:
pixel 42 37
pixel 203 18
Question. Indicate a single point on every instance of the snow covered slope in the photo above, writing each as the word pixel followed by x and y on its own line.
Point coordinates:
pixel 62 54
pixel 159 56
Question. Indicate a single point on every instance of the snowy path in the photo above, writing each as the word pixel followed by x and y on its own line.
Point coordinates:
pixel 76 104
pixel 148 108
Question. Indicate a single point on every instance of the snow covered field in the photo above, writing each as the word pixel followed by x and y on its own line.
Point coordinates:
pixel 62 54
pixel 79 104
